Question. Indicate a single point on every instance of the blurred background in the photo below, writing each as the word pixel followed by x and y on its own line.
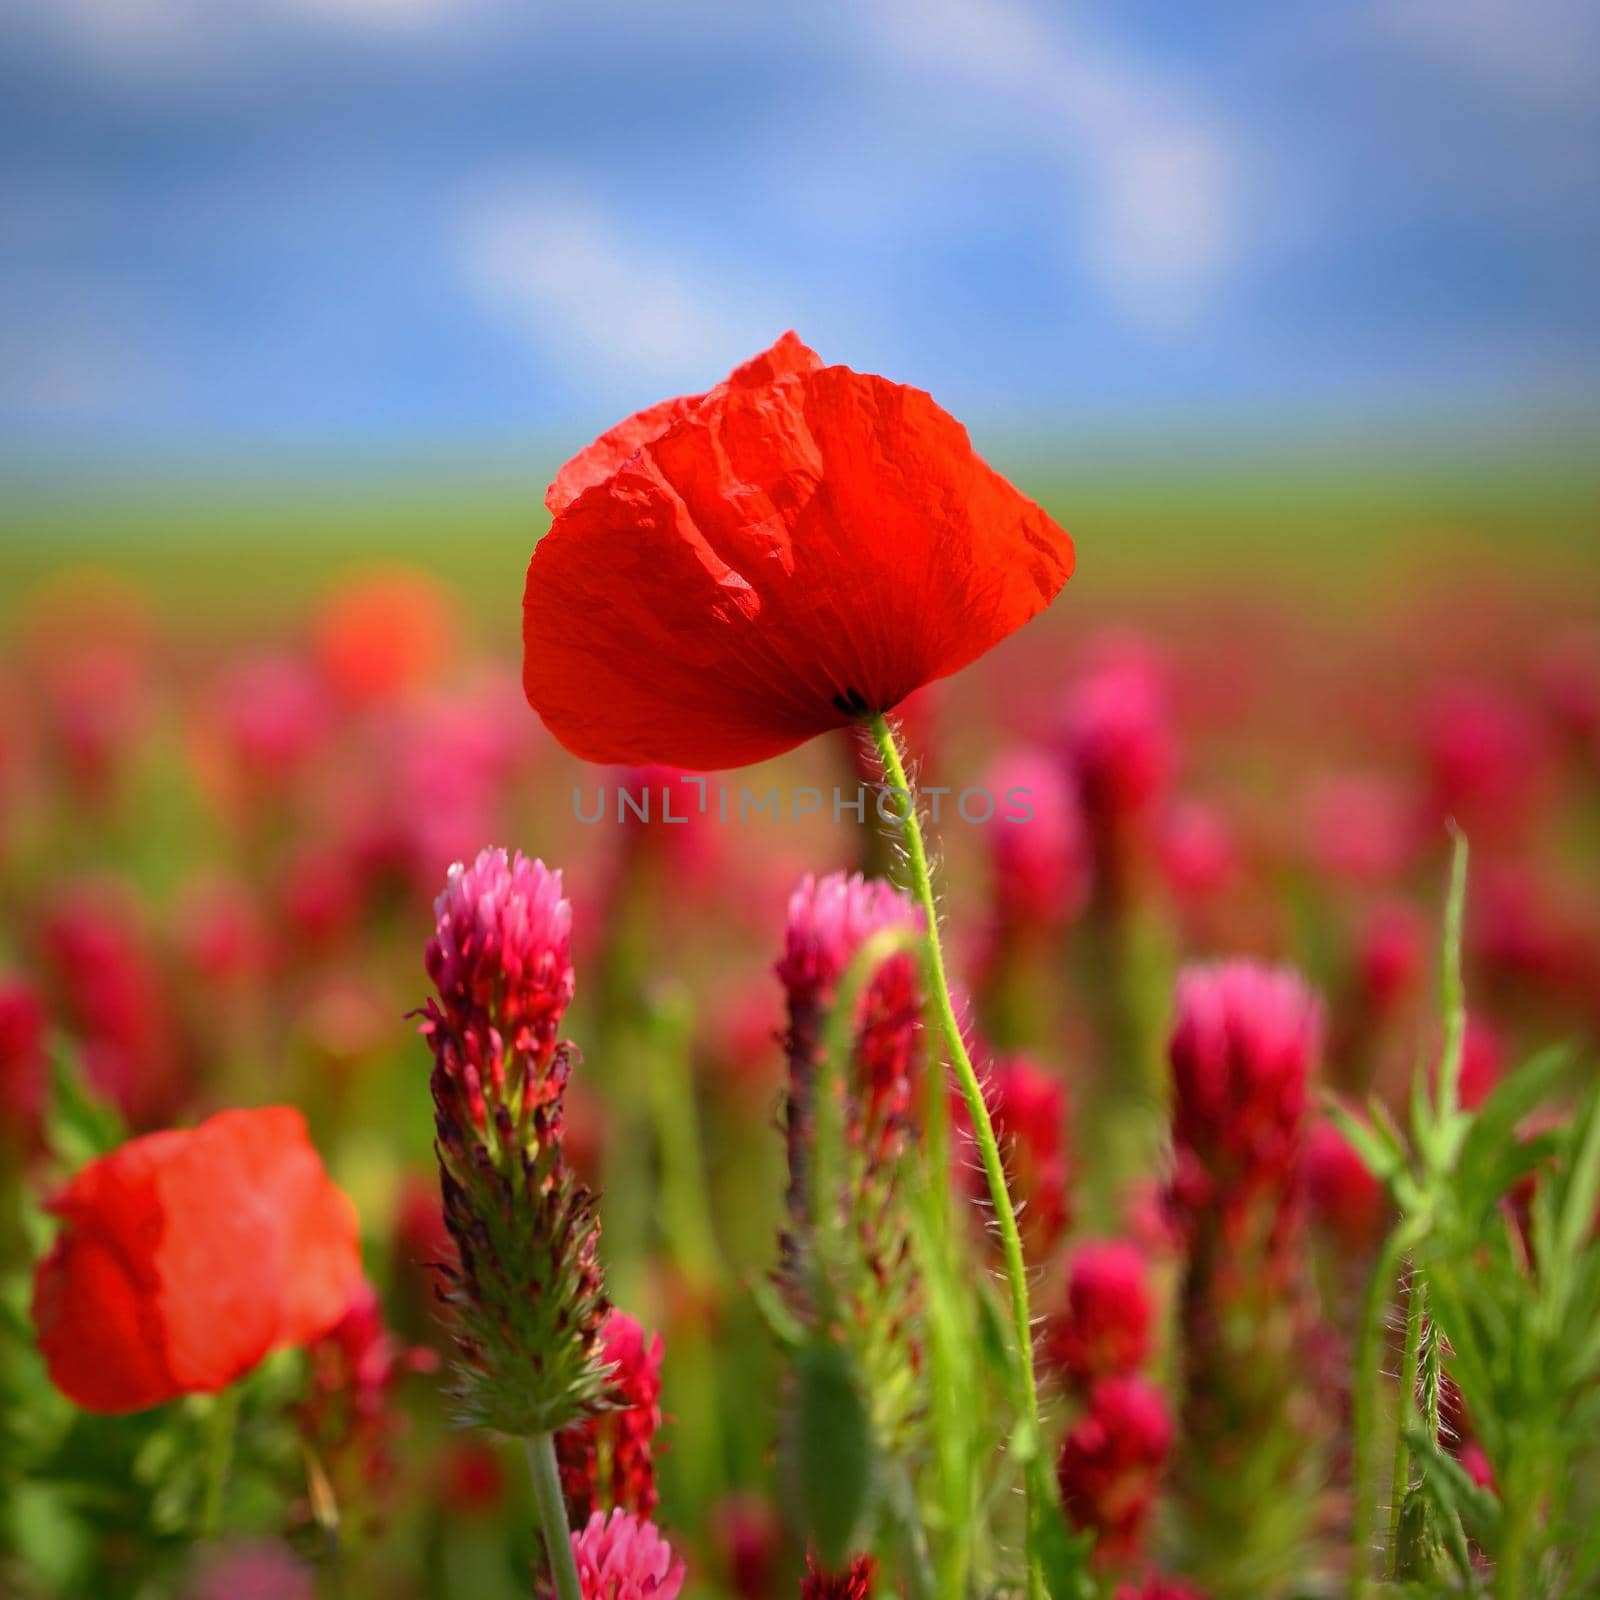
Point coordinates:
pixel 293 260
pixel 1289 312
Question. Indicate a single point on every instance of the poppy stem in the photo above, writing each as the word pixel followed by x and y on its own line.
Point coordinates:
pixel 553 1514
pixel 983 1132
pixel 221 1425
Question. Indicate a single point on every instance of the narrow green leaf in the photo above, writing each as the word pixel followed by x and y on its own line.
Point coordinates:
pixel 831 1448
pixel 786 1329
pixel 1380 1152
pixel 1494 1125
pixel 1060 1550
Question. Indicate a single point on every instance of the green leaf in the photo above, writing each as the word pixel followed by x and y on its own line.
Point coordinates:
pixel 1380 1152
pixel 79 1125
pixel 831 1448
pixel 1453 1491
pixel 1575 1225
pixel 1493 1128
pixel 1061 1552
pixel 786 1329
pixel 994 1333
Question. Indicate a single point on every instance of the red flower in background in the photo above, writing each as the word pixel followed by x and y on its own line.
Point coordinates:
pixel 108 989
pixel 610 1457
pixel 351 1415
pixel 1391 954
pixel 1030 1110
pixel 271 714
pixel 1111 1461
pixel 23 1068
pixel 748 1538
pixel 830 919
pixel 856 1582
pixel 1485 757
pixel 384 633
pixel 1040 867
pixel 1119 737
pixel 250 1569
pixel 186 1256
pixel 731 574
pixel 1243 1046
pixel 1344 1195
pixel 1361 828
pixel 1196 849
pixel 1109 1316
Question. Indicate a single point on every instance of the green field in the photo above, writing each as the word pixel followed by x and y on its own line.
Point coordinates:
pixel 237 548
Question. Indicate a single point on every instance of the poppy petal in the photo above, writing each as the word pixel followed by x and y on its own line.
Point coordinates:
pixel 185 1256
pixel 94 1295
pixel 614 446
pixel 784 557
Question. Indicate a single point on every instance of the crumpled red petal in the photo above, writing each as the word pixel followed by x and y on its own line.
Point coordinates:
pixel 792 549
pixel 185 1256
pixel 614 446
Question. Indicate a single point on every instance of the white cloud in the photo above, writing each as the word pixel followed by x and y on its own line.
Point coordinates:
pixel 1150 179
pixel 602 298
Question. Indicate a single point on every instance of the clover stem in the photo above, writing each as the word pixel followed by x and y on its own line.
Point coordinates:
pixel 221 1426
pixel 983 1128
pixel 553 1514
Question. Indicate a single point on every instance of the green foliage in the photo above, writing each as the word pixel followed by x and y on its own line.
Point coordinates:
pixel 529 1298
pixel 1498 1218
pixel 831 1453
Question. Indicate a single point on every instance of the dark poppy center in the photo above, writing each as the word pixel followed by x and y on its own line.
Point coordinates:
pixel 851 703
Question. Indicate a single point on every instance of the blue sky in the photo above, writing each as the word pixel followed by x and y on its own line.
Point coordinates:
pixel 258 226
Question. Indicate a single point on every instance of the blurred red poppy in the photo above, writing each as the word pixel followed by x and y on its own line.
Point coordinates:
pixel 731 574
pixel 186 1256
pixel 381 634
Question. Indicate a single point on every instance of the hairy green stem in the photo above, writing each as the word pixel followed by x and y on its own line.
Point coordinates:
pixel 221 1426
pixel 1368 1378
pixel 983 1129
pixel 1405 1404
pixel 553 1514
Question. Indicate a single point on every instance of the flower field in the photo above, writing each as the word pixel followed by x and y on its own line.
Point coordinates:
pixel 882 1049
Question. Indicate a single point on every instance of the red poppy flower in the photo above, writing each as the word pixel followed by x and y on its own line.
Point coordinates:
pixel 731 574
pixel 186 1256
